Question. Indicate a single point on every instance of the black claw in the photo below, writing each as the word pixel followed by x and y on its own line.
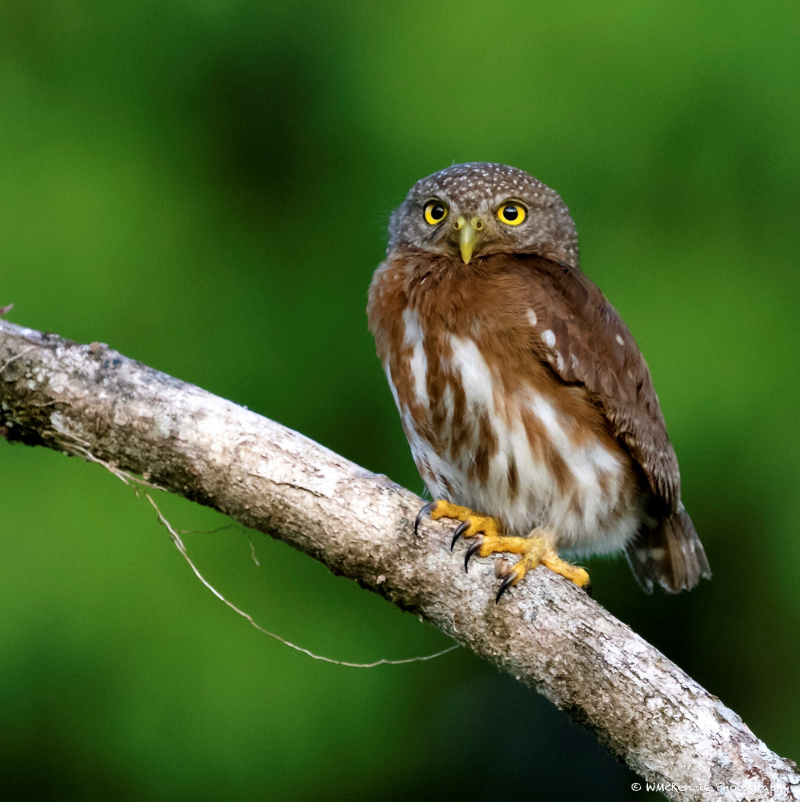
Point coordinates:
pixel 588 588
pixel 422 513
pixel 504 586
pixel 473 549
pixel 457 534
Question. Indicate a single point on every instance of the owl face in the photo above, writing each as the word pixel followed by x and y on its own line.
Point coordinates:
pixel 476 209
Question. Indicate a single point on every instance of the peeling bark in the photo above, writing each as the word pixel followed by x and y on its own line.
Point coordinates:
pixel 546 633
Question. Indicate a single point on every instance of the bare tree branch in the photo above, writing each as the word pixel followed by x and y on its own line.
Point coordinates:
pixel 548 634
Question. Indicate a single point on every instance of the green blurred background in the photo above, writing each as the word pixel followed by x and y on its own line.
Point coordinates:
pixel 205 186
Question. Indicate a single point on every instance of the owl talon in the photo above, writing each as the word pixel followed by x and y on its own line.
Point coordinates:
pixel 462 527
pixel 426 508
pixel 471 551
pixel 514 575
pixel 504 586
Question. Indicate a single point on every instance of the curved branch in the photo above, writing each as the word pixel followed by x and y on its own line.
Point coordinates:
pixel 549 634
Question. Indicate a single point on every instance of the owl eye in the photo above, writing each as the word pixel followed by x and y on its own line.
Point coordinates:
pixel 511 214
pixel 435 212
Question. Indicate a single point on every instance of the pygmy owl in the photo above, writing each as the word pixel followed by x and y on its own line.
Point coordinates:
pixel 530 411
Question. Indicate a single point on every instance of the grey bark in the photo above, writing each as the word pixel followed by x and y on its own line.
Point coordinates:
pixel 546 633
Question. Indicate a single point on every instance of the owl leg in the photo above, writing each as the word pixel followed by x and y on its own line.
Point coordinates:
pixel 533 551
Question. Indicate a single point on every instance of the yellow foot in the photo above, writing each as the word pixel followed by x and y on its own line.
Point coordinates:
pixel 534 550
pixel 472 524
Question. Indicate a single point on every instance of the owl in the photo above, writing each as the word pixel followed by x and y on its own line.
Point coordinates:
pixel 530 411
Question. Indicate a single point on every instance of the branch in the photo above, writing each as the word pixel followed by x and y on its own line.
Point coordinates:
pixel 550 635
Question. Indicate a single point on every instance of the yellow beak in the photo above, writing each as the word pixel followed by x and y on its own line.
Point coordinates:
pixel 467 237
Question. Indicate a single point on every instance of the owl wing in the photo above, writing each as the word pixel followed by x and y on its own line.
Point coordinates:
pixel 585 341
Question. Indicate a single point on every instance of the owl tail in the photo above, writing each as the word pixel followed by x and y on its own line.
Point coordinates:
pixel 670 553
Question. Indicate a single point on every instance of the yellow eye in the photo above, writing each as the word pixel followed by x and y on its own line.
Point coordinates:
pixel 512 214
pixel 435 212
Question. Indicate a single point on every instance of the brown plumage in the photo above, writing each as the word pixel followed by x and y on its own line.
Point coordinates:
pixel 522 393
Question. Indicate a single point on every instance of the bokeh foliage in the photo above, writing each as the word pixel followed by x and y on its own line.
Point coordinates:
pixel 205 186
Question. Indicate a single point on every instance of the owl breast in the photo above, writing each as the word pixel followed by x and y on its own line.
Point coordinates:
pixel 502 435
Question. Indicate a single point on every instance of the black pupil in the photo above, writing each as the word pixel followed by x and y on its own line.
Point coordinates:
pixel 437 211
pixel 511 212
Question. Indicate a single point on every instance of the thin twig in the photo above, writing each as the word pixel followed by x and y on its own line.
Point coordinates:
pixel 78 447
pixel 176 539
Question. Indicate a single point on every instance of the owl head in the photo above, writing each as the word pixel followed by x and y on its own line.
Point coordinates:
pixel 477 209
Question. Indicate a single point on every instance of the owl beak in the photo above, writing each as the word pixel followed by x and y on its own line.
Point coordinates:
pixel 467 235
